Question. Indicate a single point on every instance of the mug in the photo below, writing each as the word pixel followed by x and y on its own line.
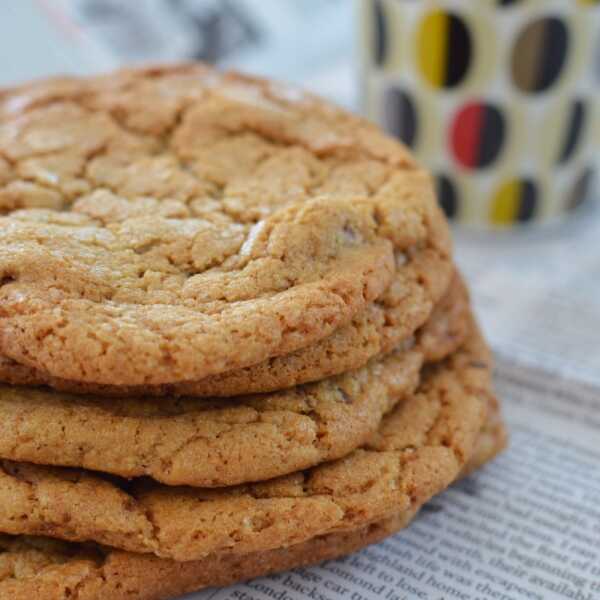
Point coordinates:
pixel 498 98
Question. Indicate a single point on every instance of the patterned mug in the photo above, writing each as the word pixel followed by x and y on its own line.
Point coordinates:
pixel 499 98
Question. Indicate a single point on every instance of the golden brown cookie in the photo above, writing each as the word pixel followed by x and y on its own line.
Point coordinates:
pixel 207 443
pixel 164 225
pixel 385 324
pixel 47 569
pixel 420 447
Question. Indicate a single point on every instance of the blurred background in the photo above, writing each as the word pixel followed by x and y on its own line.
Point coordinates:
pixel 309 42
pixel 499 98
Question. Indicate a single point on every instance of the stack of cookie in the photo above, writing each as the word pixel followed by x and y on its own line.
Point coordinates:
pixel 233 339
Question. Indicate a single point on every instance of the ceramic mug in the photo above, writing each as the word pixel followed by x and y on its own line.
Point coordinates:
pixel 499 98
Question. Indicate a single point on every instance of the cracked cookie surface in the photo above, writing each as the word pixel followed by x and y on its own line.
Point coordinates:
pixel 206 443
pixel 419 449
pixel 169 224
pixel 48 569
pixel 385 324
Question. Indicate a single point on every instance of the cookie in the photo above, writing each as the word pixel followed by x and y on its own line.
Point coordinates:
pixel 164 225
pixel 420 447
pixel 491 441
pixel 205 443
pixel 384 325
pixel 47 569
